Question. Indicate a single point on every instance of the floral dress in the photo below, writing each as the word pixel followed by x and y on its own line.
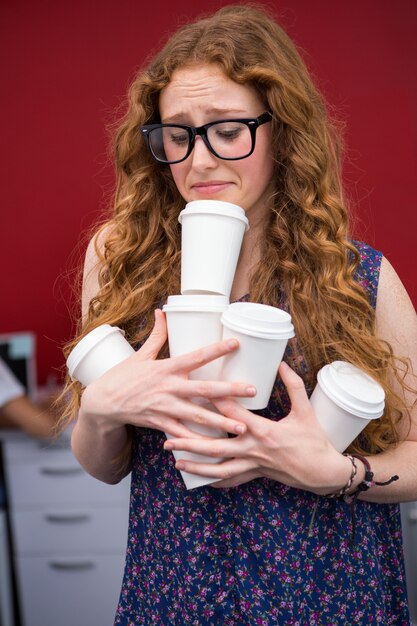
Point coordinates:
pixel 245 556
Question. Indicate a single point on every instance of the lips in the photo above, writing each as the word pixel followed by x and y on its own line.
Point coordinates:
pixel 210 187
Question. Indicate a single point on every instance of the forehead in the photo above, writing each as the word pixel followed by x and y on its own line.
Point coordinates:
pixel 206 89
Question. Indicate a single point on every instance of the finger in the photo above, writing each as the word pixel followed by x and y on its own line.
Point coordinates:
pixel 193 360
pixel 233 410
pixel 214 389
pixel 204 416
pixel 295 388
pixel 156 339
pixel 216 447
pixel 172 427
pixel 238 479
pixel 176 428
pixel 223 470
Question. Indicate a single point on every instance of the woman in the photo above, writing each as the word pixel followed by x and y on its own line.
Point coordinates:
pixel 247 550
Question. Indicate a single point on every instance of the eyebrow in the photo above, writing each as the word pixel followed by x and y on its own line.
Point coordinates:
pixel 179 117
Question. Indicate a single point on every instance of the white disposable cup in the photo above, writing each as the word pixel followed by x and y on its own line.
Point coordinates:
pixel 192 481
pixel 96 353
pixel 345 400
pixel 263 332
pixel 212 235
pixel 193 322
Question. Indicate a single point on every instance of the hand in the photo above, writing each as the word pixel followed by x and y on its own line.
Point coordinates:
pixel 294 451
pixel 152 393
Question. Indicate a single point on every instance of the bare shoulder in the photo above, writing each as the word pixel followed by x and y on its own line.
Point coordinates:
pixel 395 314
pixel 396 323
pixel 92 265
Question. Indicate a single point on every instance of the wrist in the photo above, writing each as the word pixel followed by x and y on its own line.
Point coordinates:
pixel 337 474
pixel 101 425
pixel 368 480
pixel 347 474
pixel 359 477
pixel 91 414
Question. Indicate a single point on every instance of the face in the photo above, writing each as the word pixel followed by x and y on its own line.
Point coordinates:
pixel 198 95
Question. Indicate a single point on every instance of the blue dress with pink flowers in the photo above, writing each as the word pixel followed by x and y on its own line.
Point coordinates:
pixel 244 556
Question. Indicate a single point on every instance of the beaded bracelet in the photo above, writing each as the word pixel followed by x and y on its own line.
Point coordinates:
pixel 367 482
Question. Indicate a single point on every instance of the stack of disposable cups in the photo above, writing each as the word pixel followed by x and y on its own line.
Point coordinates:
pixel 212 235
pixel 193 322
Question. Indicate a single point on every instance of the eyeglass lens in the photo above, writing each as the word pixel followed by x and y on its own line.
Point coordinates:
pixel 228 140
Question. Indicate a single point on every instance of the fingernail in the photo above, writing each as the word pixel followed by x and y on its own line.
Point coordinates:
pixel 232 343
pixel 251 391
pixel 180 465
pixel 240 430
pixel 168 445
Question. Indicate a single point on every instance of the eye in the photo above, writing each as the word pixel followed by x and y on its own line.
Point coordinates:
pixel 228 132
pixel 177 136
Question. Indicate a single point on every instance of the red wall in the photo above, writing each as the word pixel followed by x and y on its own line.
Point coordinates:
pixel 65 67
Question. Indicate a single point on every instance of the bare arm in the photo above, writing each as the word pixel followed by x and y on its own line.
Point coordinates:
pixel 95 443
pixel 22 413
pixel 18 410
pixel 99 443
pixel 397 323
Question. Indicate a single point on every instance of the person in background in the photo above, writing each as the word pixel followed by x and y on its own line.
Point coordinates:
pixel 294 532
pixel 17 410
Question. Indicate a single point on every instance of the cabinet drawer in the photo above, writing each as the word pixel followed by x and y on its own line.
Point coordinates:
pixel 28 449
pixel 70 529
pixel 69 591
pixel 53 482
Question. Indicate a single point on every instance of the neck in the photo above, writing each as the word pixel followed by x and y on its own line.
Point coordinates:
pixel 248 258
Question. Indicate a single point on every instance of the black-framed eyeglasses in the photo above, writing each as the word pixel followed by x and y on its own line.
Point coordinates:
pixel 230 140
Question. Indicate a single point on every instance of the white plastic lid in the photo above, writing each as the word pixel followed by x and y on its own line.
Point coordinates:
pixel 214 207
pixel 87 343
pixel 351 389
pixel 196 302
pixel 258 320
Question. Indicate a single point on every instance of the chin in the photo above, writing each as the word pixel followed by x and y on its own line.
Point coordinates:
pixel 220 197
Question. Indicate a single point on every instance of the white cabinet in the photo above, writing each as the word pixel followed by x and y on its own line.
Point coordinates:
pixel 409 526
pixel 70 591
pixel 69 534
pixel 6 598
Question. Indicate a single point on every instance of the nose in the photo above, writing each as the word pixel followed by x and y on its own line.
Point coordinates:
pixel 201 156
